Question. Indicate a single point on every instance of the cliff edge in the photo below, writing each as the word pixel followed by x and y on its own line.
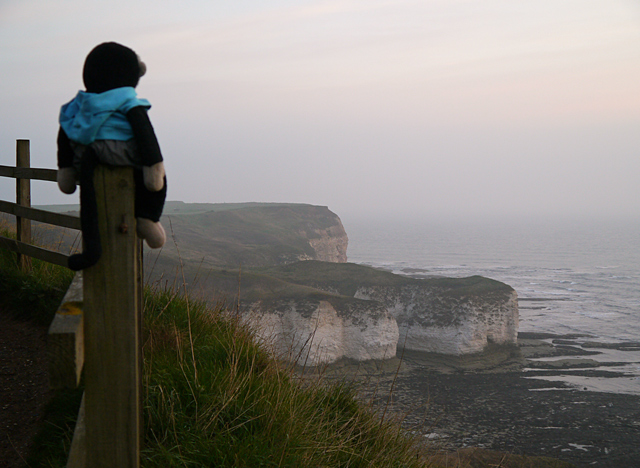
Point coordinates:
pixel 232 235
pixel 442 315
pixel 251 235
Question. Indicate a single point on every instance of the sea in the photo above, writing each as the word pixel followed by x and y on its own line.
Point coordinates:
pixel 579 278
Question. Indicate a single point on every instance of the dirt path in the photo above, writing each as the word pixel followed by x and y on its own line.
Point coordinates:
pixel 24 387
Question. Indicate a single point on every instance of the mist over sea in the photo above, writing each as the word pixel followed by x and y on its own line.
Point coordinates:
pixel 571 276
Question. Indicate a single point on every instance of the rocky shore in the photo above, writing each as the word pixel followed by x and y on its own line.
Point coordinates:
pixel 505 399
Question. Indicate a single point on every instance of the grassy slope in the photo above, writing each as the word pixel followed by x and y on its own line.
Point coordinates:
pixel 215 398
pixel 247 236
pixel 310 280
pixel 215 286
pixel 232 234
pixel 346 278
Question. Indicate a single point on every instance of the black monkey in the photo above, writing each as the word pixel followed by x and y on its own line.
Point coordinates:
pixel 108 124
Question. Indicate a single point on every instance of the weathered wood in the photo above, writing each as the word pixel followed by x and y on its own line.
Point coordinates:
pixel 7 171
pixel 65 344
pixel 33 173
pixel 25 214
pixel 23 198
pixel 112 329
pixel 32 251
pixel 78 451
pixel 42 216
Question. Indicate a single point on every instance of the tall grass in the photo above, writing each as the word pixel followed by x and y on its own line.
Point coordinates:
pixel 214 397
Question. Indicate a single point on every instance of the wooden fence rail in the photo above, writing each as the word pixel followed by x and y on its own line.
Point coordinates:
pixel 24 214
pixel 34 214
pixel 99 320
pixel 28 172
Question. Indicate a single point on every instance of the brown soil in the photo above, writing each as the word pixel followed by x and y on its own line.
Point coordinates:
pixel 24 387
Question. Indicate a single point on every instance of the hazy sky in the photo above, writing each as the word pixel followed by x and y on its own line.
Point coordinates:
pixel 368 106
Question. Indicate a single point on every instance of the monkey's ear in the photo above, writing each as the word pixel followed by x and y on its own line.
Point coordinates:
pixel 142 66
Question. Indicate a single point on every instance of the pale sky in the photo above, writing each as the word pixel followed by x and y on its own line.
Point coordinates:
pixel 430 107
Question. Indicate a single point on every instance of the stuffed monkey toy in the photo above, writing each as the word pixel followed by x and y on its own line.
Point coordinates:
pixel 108 124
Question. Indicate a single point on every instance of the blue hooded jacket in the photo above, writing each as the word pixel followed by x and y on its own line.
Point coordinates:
pixel 89 116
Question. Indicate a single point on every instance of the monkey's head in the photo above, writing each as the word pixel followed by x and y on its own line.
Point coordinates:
pixel 111 65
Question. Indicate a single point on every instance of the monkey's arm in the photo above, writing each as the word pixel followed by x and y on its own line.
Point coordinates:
pixel 148 148
pixel 66 172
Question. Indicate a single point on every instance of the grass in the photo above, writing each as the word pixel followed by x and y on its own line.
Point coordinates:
pixel 347 278
pixel 213 397
pixel 247 234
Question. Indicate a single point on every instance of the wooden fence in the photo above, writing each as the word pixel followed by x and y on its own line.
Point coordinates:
pixel 97 327
pixel 23 212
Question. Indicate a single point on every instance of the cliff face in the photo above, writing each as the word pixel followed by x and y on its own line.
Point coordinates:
pixel 318 312
pixel 442 315
pixel 313 332
pixel 433 319
pixel 331 243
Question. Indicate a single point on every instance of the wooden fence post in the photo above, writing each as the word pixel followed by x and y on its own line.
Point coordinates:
pixel 23 198
pixel 112 297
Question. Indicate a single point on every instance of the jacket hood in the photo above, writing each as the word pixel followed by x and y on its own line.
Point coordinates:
pixel 90 116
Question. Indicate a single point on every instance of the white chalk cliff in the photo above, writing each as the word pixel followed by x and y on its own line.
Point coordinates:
pixel 314 332
pixel 331 242
pixel 432 319
pixel 440 315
